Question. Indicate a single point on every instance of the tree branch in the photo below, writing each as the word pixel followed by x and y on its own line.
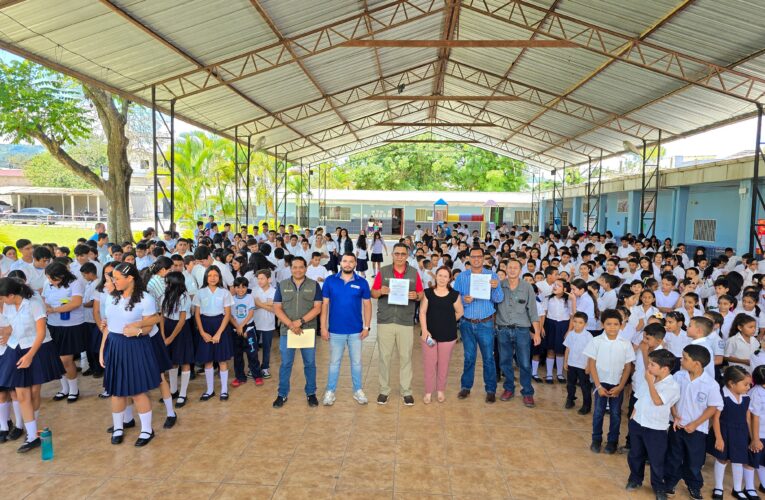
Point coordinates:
pixel 54 148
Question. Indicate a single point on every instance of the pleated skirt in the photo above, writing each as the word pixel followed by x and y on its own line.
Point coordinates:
pixel 131 365
pixel 46 366
pixel 69 340
pixel 160 352
pixel 207 352
pixel 181 349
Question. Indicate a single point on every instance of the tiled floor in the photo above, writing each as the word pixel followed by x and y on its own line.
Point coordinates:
pixel 245 449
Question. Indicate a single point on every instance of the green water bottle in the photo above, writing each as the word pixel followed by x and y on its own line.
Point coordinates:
pixel 46 438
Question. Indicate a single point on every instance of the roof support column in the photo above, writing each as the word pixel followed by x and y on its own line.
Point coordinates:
pixel 242 178
pixel 594 175
pixel 558 193
pixel 757 231
pixel 534 216
pixel 649 187
pixel 163 146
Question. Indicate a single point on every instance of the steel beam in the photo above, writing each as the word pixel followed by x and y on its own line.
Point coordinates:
pixel 455 44
pixel 755 240
pixel 594 176
pixel 163 162
pixel 242 156
pixel 649 190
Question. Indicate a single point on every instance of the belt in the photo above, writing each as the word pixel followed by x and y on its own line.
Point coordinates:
pixel 511 326
pixel 476 321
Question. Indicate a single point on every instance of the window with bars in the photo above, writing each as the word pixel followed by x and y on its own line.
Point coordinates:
pixel 705 230
pixel 563 219
pixel 423 215
pixel 336 213
pixel 522 217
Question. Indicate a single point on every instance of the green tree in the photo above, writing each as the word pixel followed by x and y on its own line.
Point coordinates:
pixel 45 171
pixel 37 104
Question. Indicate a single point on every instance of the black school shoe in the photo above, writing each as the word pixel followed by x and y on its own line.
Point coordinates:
pixel 610 448
pixel 3 436
pixel 126 425
pixel 15 433
pixel 584 410
pixel 595 447
pixel 170 422
pixel 695 494
pixel 29 446
pixel 117 439
pixel 751 495
pixel 279 401
pixel 206 396
pixel 143 441
pixel 536 379
pixel 569 404
pixel 313 402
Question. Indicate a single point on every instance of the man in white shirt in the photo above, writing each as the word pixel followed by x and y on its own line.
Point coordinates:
pixel 417 235
pixel 203 259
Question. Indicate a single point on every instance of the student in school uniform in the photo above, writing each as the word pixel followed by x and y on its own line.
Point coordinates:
pixel 558 308
pixel 676 338
pixel 649 422
pixel 742 343
pixel 667 298
pixel 700 332
pixel 28 357
pixel 213 313
pixel 610 362
pixel 575 363
pixel 731 434
pixel 265 319
pixel 66 321
pixel 757 410
pixel 245 336
pixel 131 368
pixel 700 399
pixel 586 302
pixel 89 274
pixel 175 326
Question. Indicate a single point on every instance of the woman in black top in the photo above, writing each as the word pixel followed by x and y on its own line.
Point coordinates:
pixel 440 310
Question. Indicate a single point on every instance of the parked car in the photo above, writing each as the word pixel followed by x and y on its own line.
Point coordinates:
pixel 5 208
pixel 37 215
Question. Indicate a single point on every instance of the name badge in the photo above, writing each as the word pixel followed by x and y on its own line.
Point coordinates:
pixel 357 287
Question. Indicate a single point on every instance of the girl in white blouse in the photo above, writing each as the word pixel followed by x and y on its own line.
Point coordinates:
pixel 212 314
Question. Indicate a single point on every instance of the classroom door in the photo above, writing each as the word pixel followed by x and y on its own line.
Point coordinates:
pixel 397 221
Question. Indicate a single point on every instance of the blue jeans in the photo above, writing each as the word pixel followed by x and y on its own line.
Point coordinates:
pixel 337 343
pixel 515 341
pixel 285 369
pixel 614 417
pixel 481 334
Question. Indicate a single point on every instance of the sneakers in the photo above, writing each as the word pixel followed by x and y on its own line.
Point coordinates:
pixel 312 401
pixel 279 402
pixel 584 410
pixel 329 398
pixel 506 396
pixel 236 382
pixel 595 447
pixel 695 494
pixel 409 400
pixel 569 404
pixel 360 397
pixel 491 397
pixel 528 401
pixel 610 448
pixel 382 399
pixel 463 393
pixel 258 381
pixel 632 486
pixel 266 373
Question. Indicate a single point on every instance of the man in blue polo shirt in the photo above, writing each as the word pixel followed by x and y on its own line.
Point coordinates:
pixel 345 295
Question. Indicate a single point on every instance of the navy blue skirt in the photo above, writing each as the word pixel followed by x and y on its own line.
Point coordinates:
pixel 757 460
pixel 160 352
pixel 94 337
pixel 46 366
pixel 181 349
pixel 69 340
pixel 207 352
pixel 555 333
pixel 131 365
pixel 736 440
pixel 361 265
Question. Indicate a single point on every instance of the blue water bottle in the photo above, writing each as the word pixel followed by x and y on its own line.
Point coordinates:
pixel 64 315
pixel 46 438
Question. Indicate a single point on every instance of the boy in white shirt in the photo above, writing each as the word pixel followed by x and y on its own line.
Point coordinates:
pixel 608 300
pixel 575 363
pixel 245 340
pixel 265 319
pixel 650 420
pixel 700 333
pixel 610 362
pixel 315 270
pixel 700 399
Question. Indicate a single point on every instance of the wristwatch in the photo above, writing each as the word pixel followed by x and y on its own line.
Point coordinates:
pixel 301 321
pixel 365 328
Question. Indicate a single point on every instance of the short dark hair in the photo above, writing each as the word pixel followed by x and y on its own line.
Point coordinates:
pixel 21 243
pixel 663 358
pixel 611 314
pixel 656 331
pixel 704 323
pixel 581 315
pixel 698 353
pixel 88 268
pixel 298 258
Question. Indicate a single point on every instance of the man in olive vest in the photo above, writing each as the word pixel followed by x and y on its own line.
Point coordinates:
pixel 395 323
pixel 297 303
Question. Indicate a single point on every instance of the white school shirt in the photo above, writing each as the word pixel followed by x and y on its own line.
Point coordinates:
pixel 225 273
pixel 576 342
pixel 317 272
pixel 117 316
pixel 213 303
pixel 242 307
pixel 757 407
pixel 638 378
pixel 5 265
pixel 650 415
pixel 610 357
pixel 757 359
pixel 322 250
pixel 264 320
pixel 684 312
pixel 695 397
pixel 54 295
pixel 753 313
pixel 715 346
pixel 361 254
pixel 142 263
pixel 666 300
pixel 198 273
pixel 88 295
pixel 738 347
pixel 641 313
pixel 556 309
pixel 544 288
pixel 727 323
pixel 23 322
pixel 184 305
pixel 191 283
pixel 676 343
pixel 586 305
pixel 607 301
pixel 630 334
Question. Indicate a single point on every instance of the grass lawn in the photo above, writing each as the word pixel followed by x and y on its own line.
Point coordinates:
pixel 61 235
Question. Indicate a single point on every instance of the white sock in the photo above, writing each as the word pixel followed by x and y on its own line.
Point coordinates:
pixel 224 381
pixel 534 367
pixel 737 471
pixel 128 414
pixel 31 430
pixel 185 377
pixel 64 385
pixel 719 475
pixel 37 414
pixel 559 365
pixel 17 414
pixel 549 365
pixel 117 420
pixel 761 475
pixel 84 361
pixel 172 375
pixel 73 389
pixel 748 478
pixel 209 379
pixel 5 415
pixel 145 422
pixel 169 406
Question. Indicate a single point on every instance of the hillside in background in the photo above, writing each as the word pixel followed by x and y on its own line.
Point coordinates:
pixel 14 155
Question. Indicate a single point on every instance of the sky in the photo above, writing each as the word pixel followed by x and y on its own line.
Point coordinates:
pixel 720 143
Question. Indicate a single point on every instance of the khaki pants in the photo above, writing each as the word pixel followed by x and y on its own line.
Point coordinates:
pixel 388 337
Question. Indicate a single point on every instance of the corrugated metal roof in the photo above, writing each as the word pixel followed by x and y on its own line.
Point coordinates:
pixel 450 197
pixel 568 98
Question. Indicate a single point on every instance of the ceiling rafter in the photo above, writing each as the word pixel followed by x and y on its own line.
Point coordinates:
pixel 315 107
pixel 362 145
pixel 648 32
pixel 272 25
pixel 316 41
pixel 640 53
pixel 151 33
pixel 448 32
pixel 375 50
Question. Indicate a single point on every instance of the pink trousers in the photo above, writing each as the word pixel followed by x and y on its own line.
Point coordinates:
pixel 436 364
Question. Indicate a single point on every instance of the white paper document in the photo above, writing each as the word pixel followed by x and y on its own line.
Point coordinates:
pixel 399 292
pixel 480 286
pixel 305 340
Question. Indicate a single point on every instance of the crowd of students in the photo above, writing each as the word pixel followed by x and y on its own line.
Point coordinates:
pixel 634 322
